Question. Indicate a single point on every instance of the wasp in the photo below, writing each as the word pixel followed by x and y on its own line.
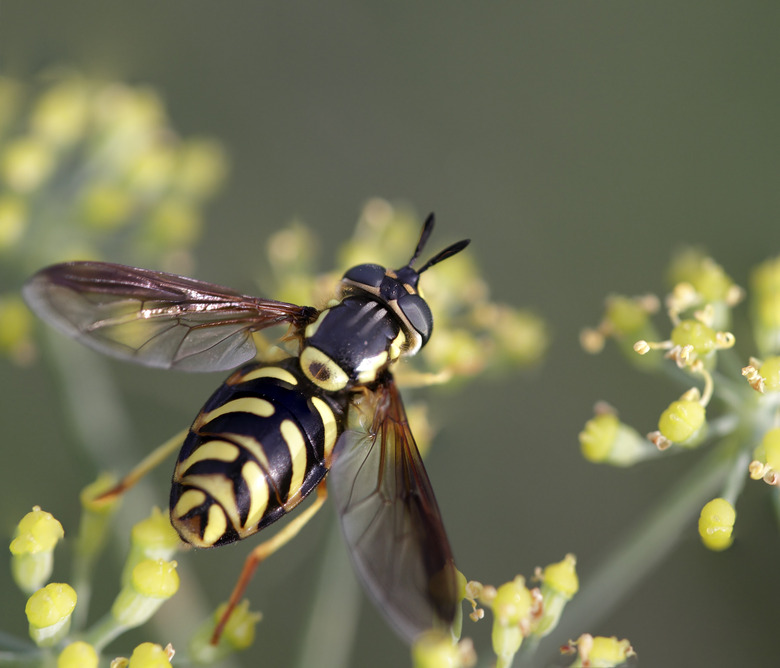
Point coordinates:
pixel 273 430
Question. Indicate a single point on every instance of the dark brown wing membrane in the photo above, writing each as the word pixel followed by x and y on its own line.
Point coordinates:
pixel 390 518
pixel 154 318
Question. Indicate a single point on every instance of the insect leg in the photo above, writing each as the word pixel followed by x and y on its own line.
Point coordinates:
pixel 153 459
pixel 265 550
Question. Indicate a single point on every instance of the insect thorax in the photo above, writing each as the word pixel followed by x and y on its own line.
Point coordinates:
pixel 351 343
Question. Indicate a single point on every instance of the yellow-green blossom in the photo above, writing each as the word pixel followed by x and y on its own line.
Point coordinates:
pixel 78 654
pixel 559 584
pixel 607 440
pixel 716 524
pixel 237 635
pixel 151 538
pixel 49 612
pixel 436 649
pixel 153 582
pixel 32 549
pixel 599 651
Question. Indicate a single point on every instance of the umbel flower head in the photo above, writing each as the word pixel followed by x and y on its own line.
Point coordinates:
pixel 731 390
pixel 93 169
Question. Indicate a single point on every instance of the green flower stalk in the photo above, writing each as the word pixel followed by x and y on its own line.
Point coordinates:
pixel 32 549
pixel 151 584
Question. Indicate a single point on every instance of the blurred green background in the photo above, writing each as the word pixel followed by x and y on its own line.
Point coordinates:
pixel 577 144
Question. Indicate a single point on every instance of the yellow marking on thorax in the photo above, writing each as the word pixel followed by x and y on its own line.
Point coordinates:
pixel 329 426
pixel 255 479
pixel 271 372
pixel 254 405
pixel 216 449
pixel 312 328
pixel 397 346
pixel 370 366
pixel 322 370
pixel 296 444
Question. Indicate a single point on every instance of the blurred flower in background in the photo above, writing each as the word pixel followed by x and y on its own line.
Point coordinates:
pixel 93 170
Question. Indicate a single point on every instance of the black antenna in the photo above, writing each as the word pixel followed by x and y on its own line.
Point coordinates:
pixel 457 247
pixel 426 232
pixel 441 255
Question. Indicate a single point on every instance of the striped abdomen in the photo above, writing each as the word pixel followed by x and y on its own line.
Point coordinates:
pixel 260 444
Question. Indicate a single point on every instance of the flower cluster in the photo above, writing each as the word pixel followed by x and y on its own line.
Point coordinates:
pixel 148 580
pixel 473 333
pixel 731 401
pixel 521 616
pixel 91 169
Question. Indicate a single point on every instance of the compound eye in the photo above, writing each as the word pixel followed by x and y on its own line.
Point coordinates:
pixel 368 275
pixel 416 311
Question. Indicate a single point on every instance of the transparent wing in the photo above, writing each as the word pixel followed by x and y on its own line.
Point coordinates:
pixel 390 518
pixel 154 318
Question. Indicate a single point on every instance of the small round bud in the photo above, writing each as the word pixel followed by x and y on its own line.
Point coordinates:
pixel 559 584
pixel 437 650
pixel 49 612
pixel 149 655
pixel 78 654
pixel 32 549
pixel 606 440
pixel 238 634
pixel 151 584
pixel 600 651
pixel 151 538
pixel 682 421
pixel 716 524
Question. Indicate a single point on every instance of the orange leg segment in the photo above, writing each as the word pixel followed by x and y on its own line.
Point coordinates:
pixel 262 552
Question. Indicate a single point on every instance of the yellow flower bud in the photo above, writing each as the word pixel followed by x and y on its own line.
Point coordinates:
pixel 151 538
pixel 607 440
pixel 61 113
pixel 435 650
pixel 49 612
pixel 600 652
pixel 32 549
pixel 78 654
pixel 682 421
pixel 559 584
pixel 13 220
pixel 238 634
pixel 26 163
pixel 149 655
pixel 716 524
pixel 152 583
pixel 770 371
pixel 201 169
